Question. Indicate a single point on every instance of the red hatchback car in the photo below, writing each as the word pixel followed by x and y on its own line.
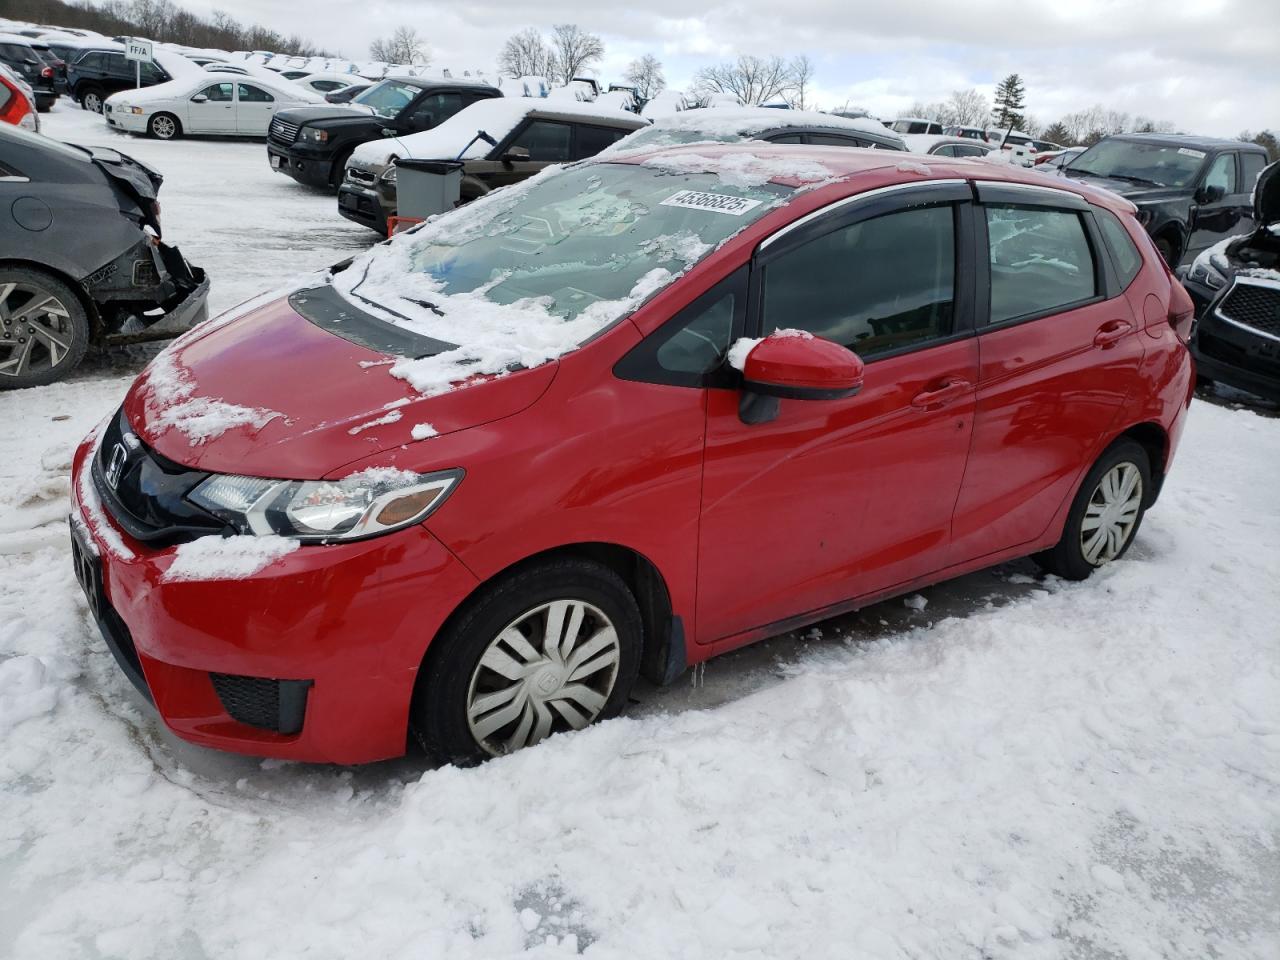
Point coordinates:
pixel 614 421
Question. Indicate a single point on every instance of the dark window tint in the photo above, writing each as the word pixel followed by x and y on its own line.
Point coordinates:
pixel 17 53
pixel 1124 254
pixel 591 140
pixel 545 141
pixel 699 345
pixel 1040 259
pixel 151 73
pixel 787 138
pixel 434 109
pixel 964 150
pixel 833 140
pixel 217 93
pixel 251 94
pixel 1253 165
pixel 873 286
pixel 327 85
pixel 1222 173
pixel 92 61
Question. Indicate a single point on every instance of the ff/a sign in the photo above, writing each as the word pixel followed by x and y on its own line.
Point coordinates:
pixel 138 50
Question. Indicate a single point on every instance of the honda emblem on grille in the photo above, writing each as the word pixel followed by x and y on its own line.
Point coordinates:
pixel 115 466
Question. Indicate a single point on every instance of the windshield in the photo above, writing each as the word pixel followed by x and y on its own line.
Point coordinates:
pixel 388 98
pixel 527 274
pixel 1157 164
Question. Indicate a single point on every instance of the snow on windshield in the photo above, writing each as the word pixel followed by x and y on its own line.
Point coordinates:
pixel 525 275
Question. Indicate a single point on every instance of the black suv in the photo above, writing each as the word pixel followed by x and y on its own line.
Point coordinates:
pixel 96 74
pixel 19 56
pixel 312 144
pixel 1236 289
pixel 1191 192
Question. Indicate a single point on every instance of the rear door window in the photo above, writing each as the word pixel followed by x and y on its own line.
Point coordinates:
pixel 1252 164
pixel 834 140
pixel 251 94
pixel 591 140
pixel 546 141
pixel 1040 260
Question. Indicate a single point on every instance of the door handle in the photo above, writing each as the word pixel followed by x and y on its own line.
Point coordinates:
pixel 940 396
pixel 1110 332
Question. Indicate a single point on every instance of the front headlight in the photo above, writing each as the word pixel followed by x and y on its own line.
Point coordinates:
pixel 312 135
pixel 389 175
pixel 364 504
pixel 1210 269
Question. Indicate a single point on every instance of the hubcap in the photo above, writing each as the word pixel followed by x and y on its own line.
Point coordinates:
pixel 1111 514
pixel 550 669
pixel 93 102
pixel 35 330
pixel 163 127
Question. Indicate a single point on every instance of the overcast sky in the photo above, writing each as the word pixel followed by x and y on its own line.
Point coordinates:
pixel 1209 66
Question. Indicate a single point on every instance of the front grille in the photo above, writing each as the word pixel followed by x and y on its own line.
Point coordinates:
pixel 366 177
pixel 276 705
pixel 1253 305
pixel 146 493
pixel 282 131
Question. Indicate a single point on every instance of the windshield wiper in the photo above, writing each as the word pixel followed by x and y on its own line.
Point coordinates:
pixel 1129 178
pixel 425 303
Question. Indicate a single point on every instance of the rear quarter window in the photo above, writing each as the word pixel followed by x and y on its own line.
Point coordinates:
pixel 1125 256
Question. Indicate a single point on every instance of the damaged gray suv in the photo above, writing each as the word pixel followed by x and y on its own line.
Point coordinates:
pixel 81 260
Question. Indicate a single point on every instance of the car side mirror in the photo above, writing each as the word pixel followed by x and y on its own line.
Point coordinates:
pixel 795 365
pixel 516 155
pixel 1211 194
pixel 390 132
pixel 199 98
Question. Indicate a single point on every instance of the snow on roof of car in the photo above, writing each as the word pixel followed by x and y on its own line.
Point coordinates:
pixel 497 117
pixel 729 124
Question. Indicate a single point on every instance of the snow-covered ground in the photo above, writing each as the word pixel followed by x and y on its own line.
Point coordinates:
pixel 1016 769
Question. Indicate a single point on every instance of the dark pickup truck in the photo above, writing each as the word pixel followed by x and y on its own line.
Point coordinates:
pixel 312 144
pixel 1191 192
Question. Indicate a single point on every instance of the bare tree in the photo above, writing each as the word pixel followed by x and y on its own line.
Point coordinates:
pixel 572 49
pixel 525 54
pixel 645 74
pixel 936 112
pixel 967 108
pixel 752 80
pixel 801 70
pixel 403 46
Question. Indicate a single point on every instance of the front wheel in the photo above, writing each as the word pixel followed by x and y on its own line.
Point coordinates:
pixel 551 648
pixel 1165 248
pixel 1105 515
pixel 164 126
pixel 44 331
pixel 91 99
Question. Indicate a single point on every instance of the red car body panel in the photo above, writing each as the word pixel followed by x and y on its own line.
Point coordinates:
pixel 949 459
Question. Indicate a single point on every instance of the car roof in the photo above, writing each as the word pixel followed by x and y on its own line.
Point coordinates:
pixel 425 82
pixel 875 167
pixel 564 110
pixel 1186 140
pixel 15 38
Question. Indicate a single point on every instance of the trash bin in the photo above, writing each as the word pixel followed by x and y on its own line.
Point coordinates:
pixel 427 187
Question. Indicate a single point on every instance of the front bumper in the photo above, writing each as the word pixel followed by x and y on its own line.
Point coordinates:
pixel 123 120
pixel 1235 353
pixel 338 632
pixel 363 205
pixel 308 167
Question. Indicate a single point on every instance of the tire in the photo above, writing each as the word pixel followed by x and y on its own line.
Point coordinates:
pixel 164 126
pixel 46 346
pixel 339 169
pixel 1071 558
pixel 1166 251
pixel 91 99
pixel 449 714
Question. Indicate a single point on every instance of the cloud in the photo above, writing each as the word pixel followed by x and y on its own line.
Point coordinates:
pixel 1206 65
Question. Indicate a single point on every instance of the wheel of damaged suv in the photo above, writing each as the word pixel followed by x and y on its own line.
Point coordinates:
pixel 91 99
pixel 164 126
pixel 1105 515
pixel 550 648
pixel 1165 248
pixel 44 331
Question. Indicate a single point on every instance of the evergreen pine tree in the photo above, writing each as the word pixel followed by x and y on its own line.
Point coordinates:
pixel 1010 100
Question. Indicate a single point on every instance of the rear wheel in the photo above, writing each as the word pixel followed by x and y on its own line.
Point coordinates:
pixel 551 648
pixel 1105 515
pixel 164 126
pixel 91 99
pixel 44 331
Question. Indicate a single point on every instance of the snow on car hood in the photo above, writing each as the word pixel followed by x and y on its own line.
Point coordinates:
pixel 731 124
pixel 497 117
pixel 270 394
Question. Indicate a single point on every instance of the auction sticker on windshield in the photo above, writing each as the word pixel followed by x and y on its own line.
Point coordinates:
pixel 1188 152
pixel 715 202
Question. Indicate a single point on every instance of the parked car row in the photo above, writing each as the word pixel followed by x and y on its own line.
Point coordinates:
pixel 18 54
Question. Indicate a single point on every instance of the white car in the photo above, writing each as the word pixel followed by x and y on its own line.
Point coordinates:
pixel 222 104
pixel 323 83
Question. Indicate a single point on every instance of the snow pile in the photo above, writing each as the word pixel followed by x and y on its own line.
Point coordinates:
pixel 743 169
pixel 423 431
pixel 27 689
pixel 383 420
pixel 227 558
pixel 168 394
pixel 913 166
